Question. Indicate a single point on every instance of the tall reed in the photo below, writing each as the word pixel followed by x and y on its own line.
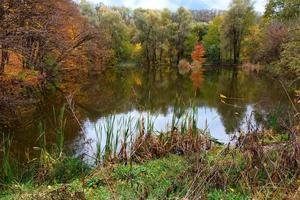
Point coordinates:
pixel 115 138
pixel 59 124
pixel 98 130
pixel 7 169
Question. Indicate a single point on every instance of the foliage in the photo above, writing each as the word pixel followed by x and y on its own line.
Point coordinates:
pixel 45 28
pixel 235 27
pixel 212 41
pixel 184 66
pixel 116 32
pixel 283 9
pixel 289 62
pixel 200 30
pixel 182 29
pixel 198 59
pixel 198 54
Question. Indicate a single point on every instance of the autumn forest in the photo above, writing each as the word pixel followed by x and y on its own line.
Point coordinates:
pixel 103 101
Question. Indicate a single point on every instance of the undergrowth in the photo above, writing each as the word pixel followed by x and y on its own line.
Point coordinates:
pixel 183 163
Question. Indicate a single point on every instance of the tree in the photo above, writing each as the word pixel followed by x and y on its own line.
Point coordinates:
pixel 283 9
pixel 235 27
pixel 182 25
pixel 282 22
pixel 88 10
pixel 115 30
pixel 198 54
pixel 43 33
pixel 206 15
pixel 25 25
pixel 212 40
pixel 148 27
pixel 273 38
pixel 289 62
pixel 198 59
pixel 165 36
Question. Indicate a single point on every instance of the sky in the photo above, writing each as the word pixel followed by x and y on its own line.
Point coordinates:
pixel 174 4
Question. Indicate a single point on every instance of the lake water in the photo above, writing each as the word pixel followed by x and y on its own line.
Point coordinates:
pixel 224 100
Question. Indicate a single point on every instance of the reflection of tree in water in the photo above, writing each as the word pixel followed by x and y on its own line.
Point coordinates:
pixel 197 79
pixel 121 91
pixel 157 91
pixel 162 90
pixel 231 109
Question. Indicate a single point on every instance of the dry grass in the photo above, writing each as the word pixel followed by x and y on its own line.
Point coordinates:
pixel 149 146
pixel 264 171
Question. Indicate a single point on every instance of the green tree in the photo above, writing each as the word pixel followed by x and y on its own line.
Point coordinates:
pixel 148 27
pixel 182 25
pixel 283 9
pixel 165 35
pixel 235 27
pixel 286 13
pixel 88 10
pixel 116 31
pixel 212 40
pixel 289 63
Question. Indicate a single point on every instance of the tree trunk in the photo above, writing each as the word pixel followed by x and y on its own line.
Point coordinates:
pixel 235 52
pixel 148 56
pixel 4 58
pixel 1 63
pixel 160 55
pixel 1 66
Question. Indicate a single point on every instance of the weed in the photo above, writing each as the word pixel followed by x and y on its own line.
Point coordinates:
pixel 69 169
pixel 7 169
pixel 59 123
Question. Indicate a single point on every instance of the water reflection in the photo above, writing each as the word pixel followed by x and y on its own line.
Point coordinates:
pixel 223 99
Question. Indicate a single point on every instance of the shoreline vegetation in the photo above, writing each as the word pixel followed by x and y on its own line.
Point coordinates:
pixel 182 163
pixel 45 45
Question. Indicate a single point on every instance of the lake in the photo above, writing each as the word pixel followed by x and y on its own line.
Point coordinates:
pixel 225 102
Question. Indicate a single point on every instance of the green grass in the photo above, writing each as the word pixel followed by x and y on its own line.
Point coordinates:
pixel 152 180
pixel 169 177
pixel 228 195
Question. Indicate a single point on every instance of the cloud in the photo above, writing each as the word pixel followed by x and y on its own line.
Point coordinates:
pixel 174 4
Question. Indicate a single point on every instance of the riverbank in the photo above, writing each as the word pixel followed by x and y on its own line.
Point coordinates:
pixel 262 165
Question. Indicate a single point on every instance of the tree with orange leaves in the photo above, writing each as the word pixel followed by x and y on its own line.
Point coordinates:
pixel 198 53
pixel 198 60
pixel 45 34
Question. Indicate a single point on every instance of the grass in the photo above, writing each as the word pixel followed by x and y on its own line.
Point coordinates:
pixel 183 163
pixel 126 138
pixel 218 173
pixel 7 169
pixel 152 180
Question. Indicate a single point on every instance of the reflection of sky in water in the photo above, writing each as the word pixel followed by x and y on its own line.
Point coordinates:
pixel 207 118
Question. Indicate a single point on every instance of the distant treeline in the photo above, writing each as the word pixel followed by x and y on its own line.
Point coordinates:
pixel 45 34
pixel 238 35
pixel 206 15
